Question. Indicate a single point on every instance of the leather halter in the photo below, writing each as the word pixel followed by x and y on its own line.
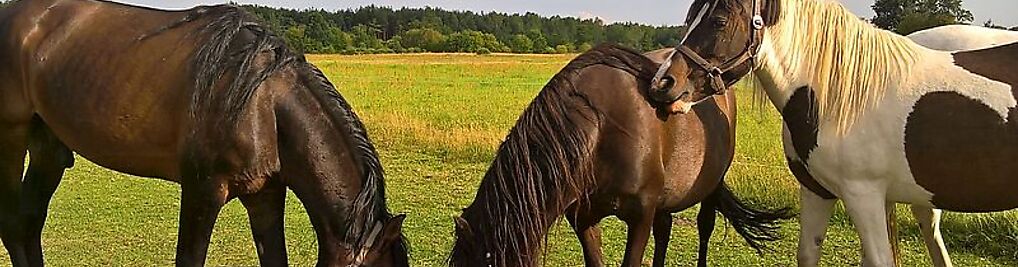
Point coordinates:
pixel 714 71
pixel 361 255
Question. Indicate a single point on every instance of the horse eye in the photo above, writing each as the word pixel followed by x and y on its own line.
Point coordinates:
pixel 720 22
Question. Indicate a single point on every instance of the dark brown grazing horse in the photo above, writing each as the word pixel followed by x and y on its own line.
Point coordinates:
pixel 205 98
pixel 590 146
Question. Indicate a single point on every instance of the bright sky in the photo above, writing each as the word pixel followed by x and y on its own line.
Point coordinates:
pixel 655 12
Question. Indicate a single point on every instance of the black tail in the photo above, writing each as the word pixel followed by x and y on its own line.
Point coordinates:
pixel 756 226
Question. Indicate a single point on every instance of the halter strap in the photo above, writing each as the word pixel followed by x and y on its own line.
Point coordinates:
pixel 362 253
pixel 714 71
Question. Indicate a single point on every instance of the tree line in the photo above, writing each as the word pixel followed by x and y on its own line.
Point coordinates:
pixel 374 29
pixel 908 16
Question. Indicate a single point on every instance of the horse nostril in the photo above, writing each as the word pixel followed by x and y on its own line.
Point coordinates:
pixel 664 91
pixel 666 83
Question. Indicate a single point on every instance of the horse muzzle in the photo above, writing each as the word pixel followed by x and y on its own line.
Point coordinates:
pixel 663 91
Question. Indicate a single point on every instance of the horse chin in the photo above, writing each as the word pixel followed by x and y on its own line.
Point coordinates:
pixel 681 107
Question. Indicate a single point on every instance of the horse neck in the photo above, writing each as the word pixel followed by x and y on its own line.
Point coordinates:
pixel 849 63
pixel 544 165
pixel 513 236
pixel 339 184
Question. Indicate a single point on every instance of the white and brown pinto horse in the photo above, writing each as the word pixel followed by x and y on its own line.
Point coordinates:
pixel 871 117
pixel 950 38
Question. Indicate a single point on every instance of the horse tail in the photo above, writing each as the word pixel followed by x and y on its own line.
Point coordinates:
pixel 756 226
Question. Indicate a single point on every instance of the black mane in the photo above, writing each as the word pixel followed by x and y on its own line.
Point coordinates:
pixel 370 207
pixel 226 74
pixel 236 55
pixel 543 165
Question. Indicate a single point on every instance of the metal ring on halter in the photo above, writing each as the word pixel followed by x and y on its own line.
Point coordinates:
pixel 715 71
pixel 758 22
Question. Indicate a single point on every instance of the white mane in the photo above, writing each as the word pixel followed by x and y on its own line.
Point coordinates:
pixel 849 63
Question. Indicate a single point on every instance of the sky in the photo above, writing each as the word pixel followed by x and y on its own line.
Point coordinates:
pixel 654 12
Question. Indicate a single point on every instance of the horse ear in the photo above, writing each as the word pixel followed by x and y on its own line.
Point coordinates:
pixel 393 228
pixel 462 227
pixel 771 12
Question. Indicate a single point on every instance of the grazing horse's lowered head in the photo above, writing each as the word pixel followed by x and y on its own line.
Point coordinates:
pixel 207 98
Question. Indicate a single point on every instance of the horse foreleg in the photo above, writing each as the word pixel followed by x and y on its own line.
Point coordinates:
pixel 662 234
pixel 49 159
pixel 814 217
pixel 13 144
pixel 639 217
pixel 705 221
pixel 201 199
pixel 867 208
pixel 265 211
pixel 589 235
pixel 929 225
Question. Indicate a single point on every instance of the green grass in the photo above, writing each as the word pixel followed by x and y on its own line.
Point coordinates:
pixel 436 120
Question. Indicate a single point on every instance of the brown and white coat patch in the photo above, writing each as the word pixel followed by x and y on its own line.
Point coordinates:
pixel 962 149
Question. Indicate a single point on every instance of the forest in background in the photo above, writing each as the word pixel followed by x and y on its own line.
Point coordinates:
pixel 375 29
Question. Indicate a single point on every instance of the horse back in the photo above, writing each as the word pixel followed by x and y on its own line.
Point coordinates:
pixel 113 82
pixel 963 37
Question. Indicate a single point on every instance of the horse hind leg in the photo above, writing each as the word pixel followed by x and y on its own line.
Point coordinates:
pixel 929 225
pixel 589 234
pixel 13 147
pixel 265 211
pixel 662 235
pixel 705 222
pixel 49 159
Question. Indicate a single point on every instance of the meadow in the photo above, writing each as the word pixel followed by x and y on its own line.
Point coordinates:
pixel 436 120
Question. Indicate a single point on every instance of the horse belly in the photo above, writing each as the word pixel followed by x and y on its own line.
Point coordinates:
pixel 698 151
pixel 126 129
pixel 964 153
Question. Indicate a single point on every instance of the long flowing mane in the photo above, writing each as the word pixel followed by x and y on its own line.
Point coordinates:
pixel 370 208
pixel 234 54
pixel 237 55
pixel 544 164
pixel 849 63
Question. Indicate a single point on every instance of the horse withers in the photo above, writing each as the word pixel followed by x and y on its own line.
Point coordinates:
pixel 206 98
pixel 872 117
pixel 590 146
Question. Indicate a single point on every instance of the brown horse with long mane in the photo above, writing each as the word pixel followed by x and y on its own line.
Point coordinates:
pixel 590 146
pixel 205 98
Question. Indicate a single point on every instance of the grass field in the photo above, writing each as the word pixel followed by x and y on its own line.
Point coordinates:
pixel 436 120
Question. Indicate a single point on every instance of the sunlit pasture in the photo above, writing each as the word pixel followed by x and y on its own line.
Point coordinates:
pixel 436 120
